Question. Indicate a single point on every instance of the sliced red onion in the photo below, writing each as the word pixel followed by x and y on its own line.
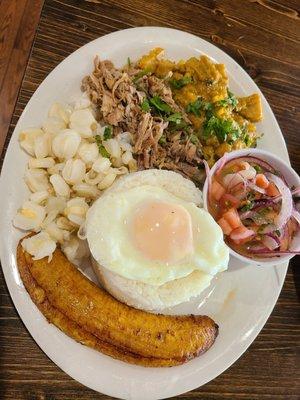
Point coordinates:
pixel 277 199
pixel 296 215
pixel 256 188
pixel 274 237
pixel 262 203
pixel 206 166
pixel 208 177
pixel 254 160
pixel 271 253
pixel 248 173
pixel 286 205
pixel 245 234
pixel 240 194
pixel 222 162
pixel 231 180
pixel 296 191
pixel 257 248
pixel 270 242
pixel 247 214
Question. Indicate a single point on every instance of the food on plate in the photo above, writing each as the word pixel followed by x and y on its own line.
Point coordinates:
pixel 91 316
pixel 73 158
pixel 107 176
pixel 152 113
pixel 255 207
pixel 152 246
pixel 177 112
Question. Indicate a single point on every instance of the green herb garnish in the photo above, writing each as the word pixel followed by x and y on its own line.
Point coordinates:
pixel 220 127
pixel 247 206
pixel 194 139
pixel 230 100
pixel 160 105
pixel 162 140
pixel 103 151
pixel 198 105
pixel 179 83
pixel 195 107
pixel 247 141
pixel 258 168
pixel 176 118
pixel 128 62
pixel 101 148
pixel 182 126
pixel 107 132
pixel 145 106
pixel 140 74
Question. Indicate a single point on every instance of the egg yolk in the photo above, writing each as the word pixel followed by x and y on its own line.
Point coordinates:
pixel 162 231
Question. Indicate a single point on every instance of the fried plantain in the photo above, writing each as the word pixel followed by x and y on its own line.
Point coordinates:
pixel 93 317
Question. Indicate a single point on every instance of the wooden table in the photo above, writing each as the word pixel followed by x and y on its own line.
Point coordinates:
pixel 263 37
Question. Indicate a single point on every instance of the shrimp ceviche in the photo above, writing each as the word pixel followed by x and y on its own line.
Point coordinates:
pixel 255 208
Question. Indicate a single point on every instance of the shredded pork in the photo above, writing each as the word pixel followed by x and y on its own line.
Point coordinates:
pixel 118 95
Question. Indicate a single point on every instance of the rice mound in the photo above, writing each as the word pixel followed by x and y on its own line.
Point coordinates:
pixel 145 296
pixel 149 297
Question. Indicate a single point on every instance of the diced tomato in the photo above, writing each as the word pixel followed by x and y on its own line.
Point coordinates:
pixel 226 228
pixel 227 201
pixel 217 190
pixel 272 190
pixel 261 181
pixel 241 234
pixel 232 217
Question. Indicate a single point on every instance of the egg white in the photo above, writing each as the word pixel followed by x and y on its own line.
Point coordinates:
pixel 109 239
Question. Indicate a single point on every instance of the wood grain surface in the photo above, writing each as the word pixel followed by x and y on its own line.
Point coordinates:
pixel 263 36
pixel 18 22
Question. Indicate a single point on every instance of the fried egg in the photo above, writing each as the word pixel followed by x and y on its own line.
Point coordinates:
pixel 153 232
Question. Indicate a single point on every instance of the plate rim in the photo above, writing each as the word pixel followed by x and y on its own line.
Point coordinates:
pixel 5 268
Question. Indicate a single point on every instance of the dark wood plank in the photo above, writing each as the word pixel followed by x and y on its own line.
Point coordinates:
pixel 263 36
pixel 10 18
pixel 18 22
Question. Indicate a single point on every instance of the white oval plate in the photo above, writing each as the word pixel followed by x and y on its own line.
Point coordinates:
pixel 240 300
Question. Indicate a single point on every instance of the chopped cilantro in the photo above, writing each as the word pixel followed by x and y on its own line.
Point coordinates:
pixel 160 105
pixel 101 148
pixel 162 140
pixel 128 62
pixel 145 106
pixel 195 107
pixel 235 134
pixel 194 139
pixel 103 151
pixel 247 140
pixel 107 132
pixel 220 127
pixel 250 196
pixel 179 83
pixel 140 74
pixel 181 126
pixel 258 168
pixel 230 100
pixel 198 105
pixel 176 118
pixel 247 206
